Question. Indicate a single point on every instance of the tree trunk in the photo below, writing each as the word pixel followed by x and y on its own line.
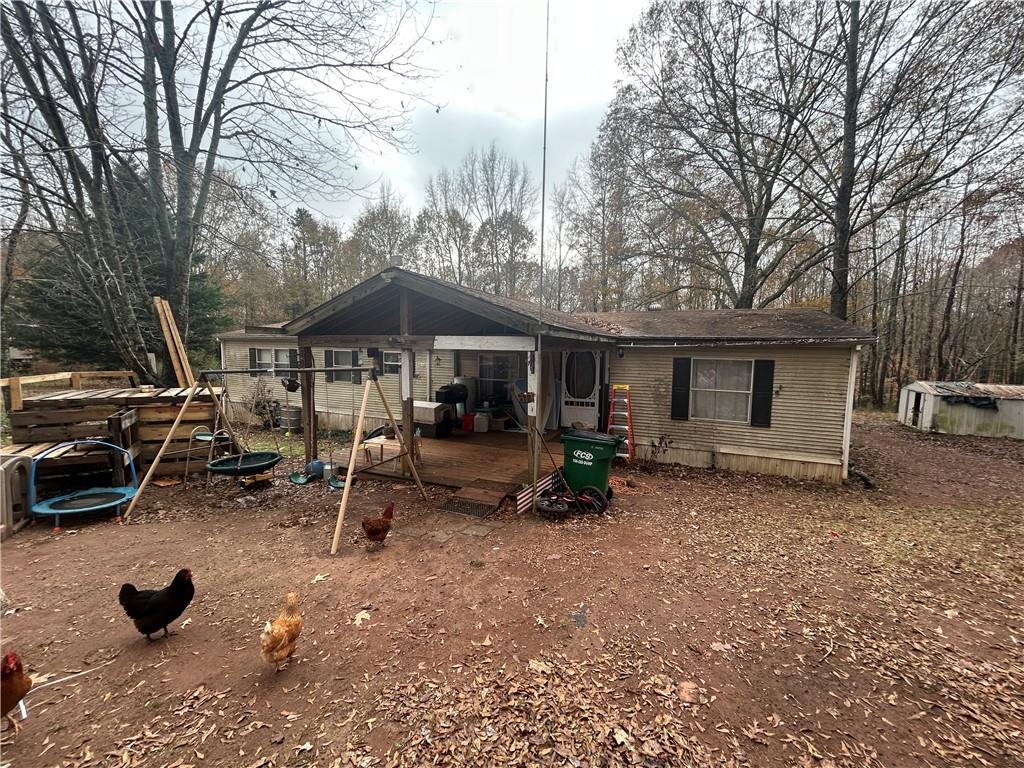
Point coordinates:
pixel 886 337
pixel 841 247
pixel 943 364
pixel 1015 351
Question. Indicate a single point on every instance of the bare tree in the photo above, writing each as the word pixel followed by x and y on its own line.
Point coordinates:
pixel 279 92
pixel 445 231
pixel 718 102
pixel 928 91
pixel 383 235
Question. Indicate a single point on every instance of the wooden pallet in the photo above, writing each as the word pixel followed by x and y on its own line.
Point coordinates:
pixel 55 417
pixel 72 398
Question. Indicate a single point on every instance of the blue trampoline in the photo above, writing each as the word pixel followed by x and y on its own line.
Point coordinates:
pixel 79 502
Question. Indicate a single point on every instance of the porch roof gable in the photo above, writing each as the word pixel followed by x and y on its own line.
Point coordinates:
pixel 519 316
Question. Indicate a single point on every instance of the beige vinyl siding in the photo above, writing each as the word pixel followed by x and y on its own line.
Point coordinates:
pixel 337 402
pixel 808 411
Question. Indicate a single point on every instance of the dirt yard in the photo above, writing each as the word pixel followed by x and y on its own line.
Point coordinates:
pixel 712 619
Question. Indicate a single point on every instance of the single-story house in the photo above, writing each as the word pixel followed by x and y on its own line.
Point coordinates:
pixel 963 408
pixel 751 390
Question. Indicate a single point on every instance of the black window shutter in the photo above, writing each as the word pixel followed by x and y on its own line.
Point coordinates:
pixel 681 388
pixel 293 361
pixel 356 377
pixel 252 360
pixel 329 363
pixel 764 384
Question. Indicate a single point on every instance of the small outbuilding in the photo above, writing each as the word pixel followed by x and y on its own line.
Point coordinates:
pixel 964 408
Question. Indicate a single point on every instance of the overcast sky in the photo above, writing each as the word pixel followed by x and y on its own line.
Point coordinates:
pixel 488 69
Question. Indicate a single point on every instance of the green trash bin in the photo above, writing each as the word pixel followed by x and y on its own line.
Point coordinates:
pixel 588 459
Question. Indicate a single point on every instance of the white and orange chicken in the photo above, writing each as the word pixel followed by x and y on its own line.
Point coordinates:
pixel 277 643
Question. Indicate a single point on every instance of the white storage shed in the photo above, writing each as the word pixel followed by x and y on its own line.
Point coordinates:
pixel 964 408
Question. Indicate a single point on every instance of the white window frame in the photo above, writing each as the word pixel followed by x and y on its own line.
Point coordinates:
pixel 342 377
pixel 268 364
pixel 395 365
pixel 694 388
pixel 273 364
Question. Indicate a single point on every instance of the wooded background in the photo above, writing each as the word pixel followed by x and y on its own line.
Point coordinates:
pixel 864 158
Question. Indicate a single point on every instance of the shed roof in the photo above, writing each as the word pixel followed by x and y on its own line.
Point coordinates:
pixel 971 389
pixel 795 326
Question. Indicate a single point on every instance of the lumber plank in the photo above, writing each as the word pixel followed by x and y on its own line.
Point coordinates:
pixel 45 399
pixel 186 367
pixel 17 401
pixel 159 413
pixel 172 350
pixel 157 432
pixel 59 432
pixel 40 416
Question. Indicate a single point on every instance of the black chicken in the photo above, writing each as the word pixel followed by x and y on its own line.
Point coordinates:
pixel 153 609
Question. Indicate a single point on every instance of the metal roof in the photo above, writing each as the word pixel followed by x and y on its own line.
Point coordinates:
pixel 971 389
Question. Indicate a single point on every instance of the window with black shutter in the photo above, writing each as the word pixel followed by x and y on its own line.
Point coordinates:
pixel 356 377
pixel 261 357
pixel 341 359
pixel 764 385
pixel 329 363
pixel 681 388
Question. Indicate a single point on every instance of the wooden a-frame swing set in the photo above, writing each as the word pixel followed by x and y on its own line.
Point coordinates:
pixel 203 382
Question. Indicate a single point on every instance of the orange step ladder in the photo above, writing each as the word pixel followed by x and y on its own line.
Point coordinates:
pixel 620 419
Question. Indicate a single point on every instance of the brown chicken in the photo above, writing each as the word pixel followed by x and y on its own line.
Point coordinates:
pixel 277 643
pixel 14 684
pixel 377 528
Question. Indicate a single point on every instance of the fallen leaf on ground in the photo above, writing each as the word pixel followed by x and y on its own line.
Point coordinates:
pixel 688 693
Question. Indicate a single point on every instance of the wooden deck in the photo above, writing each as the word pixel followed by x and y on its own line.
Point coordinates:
pixel 458 460
pixel 485 467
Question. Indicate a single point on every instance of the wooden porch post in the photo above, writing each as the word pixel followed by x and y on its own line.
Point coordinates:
pixel 408 362
pixel 308 381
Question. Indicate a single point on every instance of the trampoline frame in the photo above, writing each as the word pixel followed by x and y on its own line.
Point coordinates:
pixel 44 508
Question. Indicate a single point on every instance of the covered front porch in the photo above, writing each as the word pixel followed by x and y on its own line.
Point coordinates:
pixel 534 377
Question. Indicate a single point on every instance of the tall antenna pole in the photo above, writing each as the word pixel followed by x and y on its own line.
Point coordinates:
pixel 544 165
pixel 536 433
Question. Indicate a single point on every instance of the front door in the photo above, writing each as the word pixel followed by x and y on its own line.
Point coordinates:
pixel 915 419
pixel 581 388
